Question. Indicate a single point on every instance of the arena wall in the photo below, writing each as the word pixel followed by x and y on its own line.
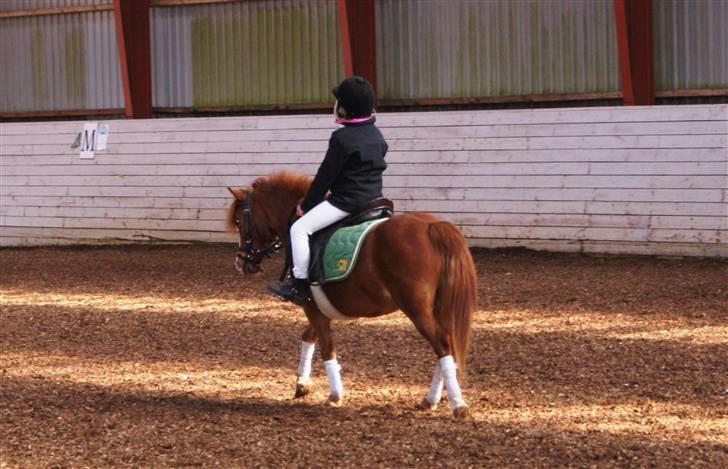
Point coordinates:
pixel 644 180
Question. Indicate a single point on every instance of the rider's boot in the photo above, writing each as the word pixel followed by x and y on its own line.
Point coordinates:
pixel 297 290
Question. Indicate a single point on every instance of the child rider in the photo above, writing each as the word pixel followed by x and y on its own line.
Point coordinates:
pixel 351 171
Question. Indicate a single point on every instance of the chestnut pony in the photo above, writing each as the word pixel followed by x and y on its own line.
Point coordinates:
pixel 413 262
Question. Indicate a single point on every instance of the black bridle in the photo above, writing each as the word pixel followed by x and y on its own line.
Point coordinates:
pixel 251 257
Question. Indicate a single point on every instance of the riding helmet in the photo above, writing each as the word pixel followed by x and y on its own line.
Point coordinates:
pixel 356 95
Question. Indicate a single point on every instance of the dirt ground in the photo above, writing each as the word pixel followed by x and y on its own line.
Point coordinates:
pixel 148 356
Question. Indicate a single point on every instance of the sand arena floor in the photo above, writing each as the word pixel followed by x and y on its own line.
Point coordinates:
pixel 149 356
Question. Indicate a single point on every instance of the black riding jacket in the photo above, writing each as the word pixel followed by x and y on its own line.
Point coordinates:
pixel 352 169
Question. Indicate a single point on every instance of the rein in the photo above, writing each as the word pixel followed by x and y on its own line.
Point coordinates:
pixel 251 257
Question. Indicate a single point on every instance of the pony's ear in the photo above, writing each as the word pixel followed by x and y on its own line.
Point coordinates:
pixel 237 193
pixel 259 183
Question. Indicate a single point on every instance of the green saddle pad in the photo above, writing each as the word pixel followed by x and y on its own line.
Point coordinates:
pixel 342 250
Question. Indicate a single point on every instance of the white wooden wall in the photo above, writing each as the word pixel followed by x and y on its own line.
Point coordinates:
pixel 650 180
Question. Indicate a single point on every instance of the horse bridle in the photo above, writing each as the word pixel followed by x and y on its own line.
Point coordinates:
pixel 250 256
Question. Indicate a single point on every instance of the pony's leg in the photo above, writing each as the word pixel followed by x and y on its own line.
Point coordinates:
pixel 308 345
pixel 434 395
pixel 455 396
pixel 428 327
pixel 333 371
pixel 322 326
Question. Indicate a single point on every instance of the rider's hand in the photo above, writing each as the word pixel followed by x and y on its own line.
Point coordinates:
pixel 299 211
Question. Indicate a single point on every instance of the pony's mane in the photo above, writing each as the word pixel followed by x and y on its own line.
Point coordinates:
pixel 282 183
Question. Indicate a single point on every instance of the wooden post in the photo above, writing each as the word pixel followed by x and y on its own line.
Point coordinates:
pixel 345 38
pixel 635 44
pixel 357 24
pixel 133 40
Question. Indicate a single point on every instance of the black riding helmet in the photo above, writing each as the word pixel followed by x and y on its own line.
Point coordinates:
pixel 356 95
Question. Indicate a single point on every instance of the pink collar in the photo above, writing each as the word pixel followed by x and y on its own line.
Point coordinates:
pixel 356 120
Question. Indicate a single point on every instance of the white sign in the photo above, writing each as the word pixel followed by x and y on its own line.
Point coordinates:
pixel 102 137
pixel 88 140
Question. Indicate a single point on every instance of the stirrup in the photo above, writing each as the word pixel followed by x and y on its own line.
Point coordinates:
pixel 295 291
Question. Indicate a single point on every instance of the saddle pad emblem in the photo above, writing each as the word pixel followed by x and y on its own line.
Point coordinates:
pixel 342 250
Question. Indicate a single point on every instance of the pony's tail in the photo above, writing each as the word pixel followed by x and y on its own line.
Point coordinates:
pixel 457 291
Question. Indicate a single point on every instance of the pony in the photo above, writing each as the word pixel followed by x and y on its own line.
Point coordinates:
pixel 413 262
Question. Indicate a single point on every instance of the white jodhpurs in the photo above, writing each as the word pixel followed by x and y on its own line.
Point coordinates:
pixel 319 217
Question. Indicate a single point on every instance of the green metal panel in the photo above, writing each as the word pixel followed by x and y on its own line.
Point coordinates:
pixel 275 52
pixel 59 62
pixel 691 44
pixel 14 5
pixel 481 48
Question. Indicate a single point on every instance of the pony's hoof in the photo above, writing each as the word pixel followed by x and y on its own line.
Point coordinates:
pixel 461 412
pixel 334 401
pixel 302 390
pixel 424 404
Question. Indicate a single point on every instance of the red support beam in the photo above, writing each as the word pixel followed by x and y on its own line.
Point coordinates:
pixel 359 38
pixel 635 44
pixel 133 41
pixel 345 37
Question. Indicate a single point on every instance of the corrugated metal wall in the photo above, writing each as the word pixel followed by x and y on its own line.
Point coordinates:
pixel 691 44
pixel 287 52
pixel 13 5
pixel 249 53
pixel 459 48
pixel 59 62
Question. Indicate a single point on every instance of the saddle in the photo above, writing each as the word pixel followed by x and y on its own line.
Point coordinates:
pixel 375 210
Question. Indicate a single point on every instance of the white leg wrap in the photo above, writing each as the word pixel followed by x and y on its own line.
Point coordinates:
pixel 304 365
pixel 435 393
pixel 333 371
pixel 449 373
